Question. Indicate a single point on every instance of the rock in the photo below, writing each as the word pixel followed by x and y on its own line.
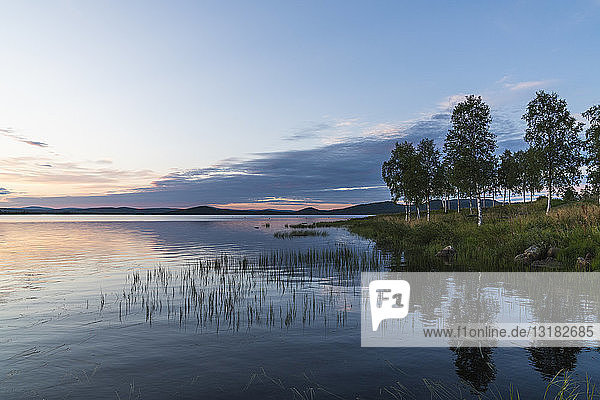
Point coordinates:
pixel 548 262
pixel 582 263
pixel 534 252
pixel 522 259
pixel 531 254
pixel 552 252
pixel 446 252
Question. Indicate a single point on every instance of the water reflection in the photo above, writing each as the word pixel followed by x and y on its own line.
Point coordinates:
pixel 476 366
pixel 89 308
pixel 34 253
pixel 549 361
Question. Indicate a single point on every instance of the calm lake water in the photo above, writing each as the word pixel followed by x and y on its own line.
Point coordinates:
pixel 156 307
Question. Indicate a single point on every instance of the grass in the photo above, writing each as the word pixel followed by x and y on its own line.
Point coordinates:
pixel 303 225
pixel 574 228
pixel 299 233
pixel 229 293
pixel 563 386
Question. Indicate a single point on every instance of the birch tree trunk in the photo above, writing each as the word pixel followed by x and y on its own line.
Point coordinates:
pixel 428 202
pixel 479 211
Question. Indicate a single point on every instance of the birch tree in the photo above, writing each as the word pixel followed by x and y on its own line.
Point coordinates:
pixel 592 145
pixel 533 174
pixel 553 133
pixel 405 176
pixel 470 147
pixel 429 157
pixel 393 172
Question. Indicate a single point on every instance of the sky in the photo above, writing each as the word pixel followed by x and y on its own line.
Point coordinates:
pixel 263 104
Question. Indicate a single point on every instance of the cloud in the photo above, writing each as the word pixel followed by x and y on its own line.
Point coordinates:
pixel 448 104
pixel 345 189
pixel 44 175
pixel 310 132
pixel 345 171
pixel 348 171
pixel 4 191
pixel 10 134
pixel 324 129
pixel 280 199
pixel 527 84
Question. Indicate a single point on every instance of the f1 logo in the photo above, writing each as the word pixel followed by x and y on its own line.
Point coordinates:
pixel 389 299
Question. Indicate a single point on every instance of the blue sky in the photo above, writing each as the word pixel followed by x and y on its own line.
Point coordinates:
pixel 274 104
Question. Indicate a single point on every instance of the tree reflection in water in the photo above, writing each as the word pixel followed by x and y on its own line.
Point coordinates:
pixel 549 361
pixel 475 366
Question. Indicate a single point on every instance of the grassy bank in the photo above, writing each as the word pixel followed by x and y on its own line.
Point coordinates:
pixel 572 228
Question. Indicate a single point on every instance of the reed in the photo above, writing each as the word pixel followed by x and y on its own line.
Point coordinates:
pixel 274 289
pixel 299 233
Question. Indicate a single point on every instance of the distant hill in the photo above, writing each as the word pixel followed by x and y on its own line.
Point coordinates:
pixel 382 207
pixel 93 210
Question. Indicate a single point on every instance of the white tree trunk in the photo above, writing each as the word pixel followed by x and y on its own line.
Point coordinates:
pixel 428 201
pixel 549 200
pixel 478 211
pixel 458 203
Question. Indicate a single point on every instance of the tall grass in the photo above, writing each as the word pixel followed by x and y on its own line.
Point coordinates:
pixel 299 233
pixel 564 386
pixel 273 290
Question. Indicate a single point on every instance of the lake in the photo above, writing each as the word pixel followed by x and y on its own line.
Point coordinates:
pixel 156 307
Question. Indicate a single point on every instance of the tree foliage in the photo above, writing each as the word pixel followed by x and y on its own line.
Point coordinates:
pixel 592 145
pixel 412 173
pixel 470 147
pixel 553 133
pixel 508 174
pixel 470 166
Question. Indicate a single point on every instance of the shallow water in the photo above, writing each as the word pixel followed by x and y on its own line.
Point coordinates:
pixel 78 321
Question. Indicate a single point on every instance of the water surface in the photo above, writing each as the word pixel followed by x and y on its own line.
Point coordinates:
pixel 119 307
